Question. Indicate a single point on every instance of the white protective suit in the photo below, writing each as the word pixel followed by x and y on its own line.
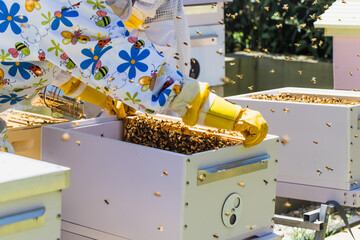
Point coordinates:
pixel 48 42
pixel 167 28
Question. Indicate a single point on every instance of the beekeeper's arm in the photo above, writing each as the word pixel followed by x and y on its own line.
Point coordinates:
pixel 197 105
pixel 79 90
pixel 132 70
pixel 141 10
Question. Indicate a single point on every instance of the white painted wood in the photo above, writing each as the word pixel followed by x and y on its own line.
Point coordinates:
pixel 305 123
pixel 127 176
pixel 48 227
pixel 22 177
pixel 339 16
pixel 271 236
pixel 73 236
pixel 207 200
pixel 207 56
pixel 318 194
pixel 26 184
pixel 87 233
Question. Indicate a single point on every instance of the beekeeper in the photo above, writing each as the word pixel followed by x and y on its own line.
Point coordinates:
pixel 56 40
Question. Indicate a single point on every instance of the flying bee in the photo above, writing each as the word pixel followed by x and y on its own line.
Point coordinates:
pixel 149 82
pixel 36 70
pixel 101 19
pixel 137 43
pixel 69 64
pixel 74 37
pixel 329 168
pixel 20 50
pixel 31 4
pixel 103 71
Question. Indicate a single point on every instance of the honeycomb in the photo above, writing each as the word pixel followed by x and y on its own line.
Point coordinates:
pixel 286 97
pixel 175 136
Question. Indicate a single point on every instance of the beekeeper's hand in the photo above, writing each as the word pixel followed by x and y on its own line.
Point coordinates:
pixel 118 108
pixel 208 109
pixel 252 126
pixel 79 90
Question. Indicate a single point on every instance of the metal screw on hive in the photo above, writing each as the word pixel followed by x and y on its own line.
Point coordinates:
pixel 53 98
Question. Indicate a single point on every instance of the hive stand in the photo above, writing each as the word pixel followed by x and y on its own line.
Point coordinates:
pixel 316 220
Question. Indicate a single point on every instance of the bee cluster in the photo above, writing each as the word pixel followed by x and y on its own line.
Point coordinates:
pixel 175 136
pixel 286 97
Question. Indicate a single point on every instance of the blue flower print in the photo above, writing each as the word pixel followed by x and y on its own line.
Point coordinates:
pixel 121 24
pixel 13 98
pixel 179 73
pixel 62 17
pixel 94 57
pixel 157 51
pixel 21 66
pixel 162 97
pixel 10 18
pixel 133 61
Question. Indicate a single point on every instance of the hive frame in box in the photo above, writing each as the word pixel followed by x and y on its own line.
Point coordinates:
pixel 318 163
pixel 127 191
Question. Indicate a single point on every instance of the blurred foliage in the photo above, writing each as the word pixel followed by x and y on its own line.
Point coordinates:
pixel 277 26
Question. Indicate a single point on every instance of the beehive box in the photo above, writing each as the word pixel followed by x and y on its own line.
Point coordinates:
pixel 30 203
pixel 24 131
pixel 319 149
pixel 122 190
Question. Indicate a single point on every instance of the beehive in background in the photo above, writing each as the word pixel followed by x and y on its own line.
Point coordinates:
pixel 121 190
pixel 24 131
pixel 319 147
pixel 342 22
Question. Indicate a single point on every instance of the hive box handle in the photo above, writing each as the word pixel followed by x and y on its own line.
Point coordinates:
pixel 22 216
pixel 232 169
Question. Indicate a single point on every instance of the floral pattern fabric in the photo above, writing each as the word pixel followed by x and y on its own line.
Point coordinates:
pixel 35 51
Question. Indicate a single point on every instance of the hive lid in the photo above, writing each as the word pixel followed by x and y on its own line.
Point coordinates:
pixel 22 177
pixel 341 19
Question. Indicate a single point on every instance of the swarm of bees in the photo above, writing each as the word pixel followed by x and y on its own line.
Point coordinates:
pixel 305 98
pixel 175 136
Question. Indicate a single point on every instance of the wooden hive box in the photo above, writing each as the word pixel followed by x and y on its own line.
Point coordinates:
pixel 30 203
pixel 342 22
pixel 319 156
pixel 122 190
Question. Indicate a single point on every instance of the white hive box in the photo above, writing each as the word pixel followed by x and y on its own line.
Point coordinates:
pixel 342 22
pixel 321 160
pixel 121 190
pixel 30 202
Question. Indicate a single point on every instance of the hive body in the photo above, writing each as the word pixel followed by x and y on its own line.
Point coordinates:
pixel 319 145
pixel 30 203
pixel 122 190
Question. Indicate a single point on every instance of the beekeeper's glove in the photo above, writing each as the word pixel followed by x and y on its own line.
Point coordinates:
pixel 211 110
pixel 136 20
pixel 77 89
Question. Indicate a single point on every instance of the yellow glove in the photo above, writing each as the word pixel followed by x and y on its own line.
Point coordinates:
pixel 118 108
pixel 252 126
pixel 77 89
pixel 211 110
pixel 136 20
